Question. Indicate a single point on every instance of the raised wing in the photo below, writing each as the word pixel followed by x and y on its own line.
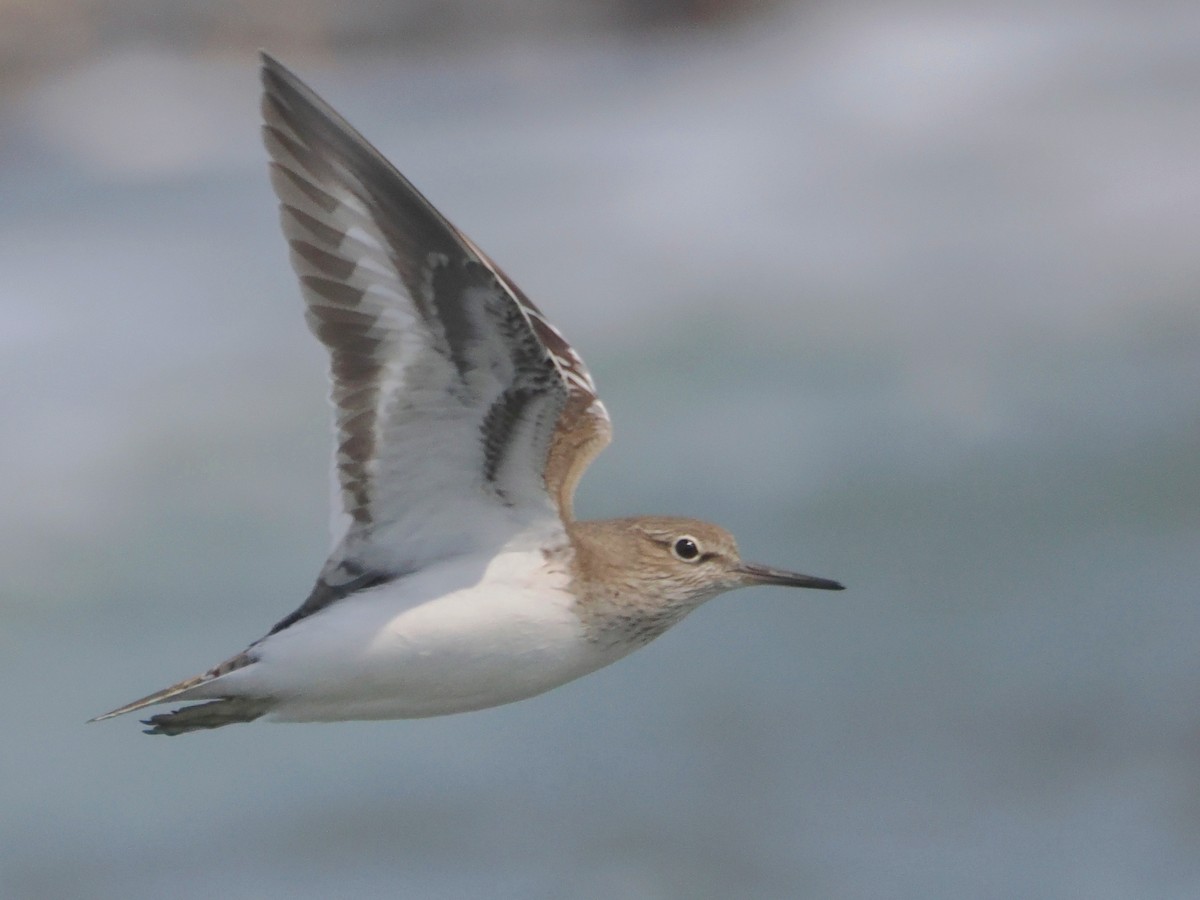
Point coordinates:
pixel 461 414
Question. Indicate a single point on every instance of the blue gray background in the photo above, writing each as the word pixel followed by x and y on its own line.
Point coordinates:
pixel 902 294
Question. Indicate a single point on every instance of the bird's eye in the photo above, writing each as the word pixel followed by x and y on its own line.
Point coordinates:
pixel 686 548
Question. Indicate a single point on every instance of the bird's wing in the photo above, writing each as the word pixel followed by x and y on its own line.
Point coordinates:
pixel 461 415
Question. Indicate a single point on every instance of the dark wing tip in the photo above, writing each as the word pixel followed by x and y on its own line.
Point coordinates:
pixel 273 73
pixel 298 104
pixel 284 86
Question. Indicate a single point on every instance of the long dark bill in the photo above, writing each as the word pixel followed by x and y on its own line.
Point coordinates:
pixel 759 574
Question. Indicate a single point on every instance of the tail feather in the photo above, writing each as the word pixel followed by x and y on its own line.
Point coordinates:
pixel 213 714
pixel 150 699
pixel 181 689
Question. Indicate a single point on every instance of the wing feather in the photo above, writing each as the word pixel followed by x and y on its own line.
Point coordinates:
pixel 461 414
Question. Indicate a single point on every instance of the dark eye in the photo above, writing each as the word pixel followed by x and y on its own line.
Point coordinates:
pixel 686 549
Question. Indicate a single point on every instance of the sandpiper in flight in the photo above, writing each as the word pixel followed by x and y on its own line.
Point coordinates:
pixel 463 423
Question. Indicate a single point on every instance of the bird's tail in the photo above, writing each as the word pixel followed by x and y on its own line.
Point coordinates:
pixel 213 714
pixel 186 690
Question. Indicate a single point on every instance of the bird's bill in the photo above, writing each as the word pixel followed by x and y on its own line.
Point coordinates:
pixel 757 574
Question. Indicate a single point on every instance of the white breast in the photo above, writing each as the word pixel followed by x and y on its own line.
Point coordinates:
pixel 461 635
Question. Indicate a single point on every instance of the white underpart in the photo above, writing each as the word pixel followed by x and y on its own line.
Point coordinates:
pixel 465 634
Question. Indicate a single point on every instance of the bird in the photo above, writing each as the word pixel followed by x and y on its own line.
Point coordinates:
pixel 459 578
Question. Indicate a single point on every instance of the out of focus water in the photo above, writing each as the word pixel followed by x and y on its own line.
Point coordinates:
pixel 906 298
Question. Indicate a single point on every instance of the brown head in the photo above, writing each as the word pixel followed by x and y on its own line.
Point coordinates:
pixel 645 573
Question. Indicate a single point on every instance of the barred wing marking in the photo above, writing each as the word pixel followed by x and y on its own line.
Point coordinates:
pixel 583 428
pixel 461 414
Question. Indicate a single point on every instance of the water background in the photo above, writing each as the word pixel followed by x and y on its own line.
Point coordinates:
pixel 903 296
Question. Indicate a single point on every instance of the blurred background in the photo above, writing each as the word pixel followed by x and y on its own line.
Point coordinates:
pixel 904 294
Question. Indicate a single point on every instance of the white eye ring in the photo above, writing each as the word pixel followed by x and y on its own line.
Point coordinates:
pixel 686 548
